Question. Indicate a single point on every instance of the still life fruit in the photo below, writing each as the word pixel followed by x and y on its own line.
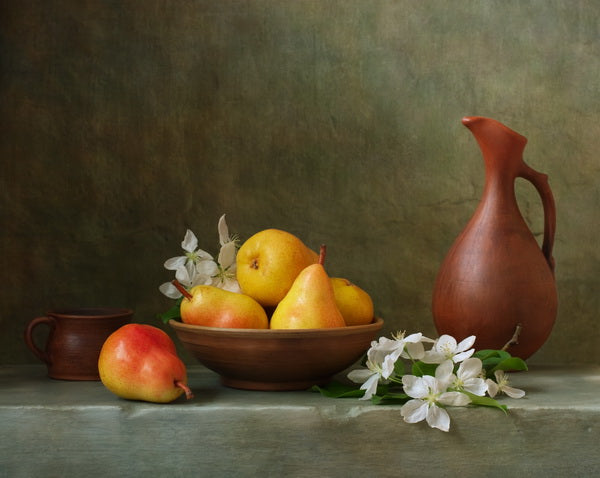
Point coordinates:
pixel 214 307
pixel 140 362
pixel 354 303
pixel 267 317
pixel 272 280
pixel 310 302
pixel 269 262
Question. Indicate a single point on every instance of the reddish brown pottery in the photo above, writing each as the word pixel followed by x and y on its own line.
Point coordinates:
pixel 75 338
pixel 496 279
pixel 276 359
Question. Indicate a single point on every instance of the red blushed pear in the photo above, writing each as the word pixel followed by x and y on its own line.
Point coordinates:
pixel 140 362
pixel 211 306
pixel 310 302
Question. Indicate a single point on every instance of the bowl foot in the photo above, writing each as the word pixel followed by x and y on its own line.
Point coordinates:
pixel 272 386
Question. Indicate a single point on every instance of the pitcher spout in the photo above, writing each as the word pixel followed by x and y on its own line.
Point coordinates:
pixel 495 139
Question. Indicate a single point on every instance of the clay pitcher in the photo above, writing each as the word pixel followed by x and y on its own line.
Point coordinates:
pixel 496 279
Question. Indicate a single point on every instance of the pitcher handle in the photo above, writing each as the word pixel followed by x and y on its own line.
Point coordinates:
pixel 39 353
pixel 540 182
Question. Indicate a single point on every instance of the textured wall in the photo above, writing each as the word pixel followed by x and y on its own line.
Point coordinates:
pixel 124 123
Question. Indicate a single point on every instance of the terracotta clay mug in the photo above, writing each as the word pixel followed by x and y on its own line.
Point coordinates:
pixel 76 336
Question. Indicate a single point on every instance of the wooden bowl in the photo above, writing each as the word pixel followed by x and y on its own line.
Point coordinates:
pixel 265 359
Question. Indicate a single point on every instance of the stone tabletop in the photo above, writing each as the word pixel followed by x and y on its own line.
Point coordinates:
pixel 61 428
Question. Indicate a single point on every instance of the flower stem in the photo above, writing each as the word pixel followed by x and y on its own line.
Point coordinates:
pixel 415 362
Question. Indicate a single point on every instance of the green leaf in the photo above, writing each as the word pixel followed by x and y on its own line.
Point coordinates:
pixel 390 399
pixel 172 313
pixel 491 354
pixel 489 363
pixel 399 368
pixel 421 368
pixel 484 354
pixel 511 364
pixel 493 360
pixel 486 402
pixel 337 389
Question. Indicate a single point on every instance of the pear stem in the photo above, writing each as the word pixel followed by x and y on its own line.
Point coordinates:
pixel 181 289
pixel 322 253
pixel 185 388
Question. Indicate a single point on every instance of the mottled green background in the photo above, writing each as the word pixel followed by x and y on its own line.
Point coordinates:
pixel 125 122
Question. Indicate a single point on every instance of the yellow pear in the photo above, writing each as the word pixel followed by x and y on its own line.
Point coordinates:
pixel 310 302
pixel 354 303
pixel 213 307
pixel 268 262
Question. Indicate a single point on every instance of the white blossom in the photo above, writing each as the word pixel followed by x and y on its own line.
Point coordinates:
pixel 407 347
pixel 429 396
pixel 446 348
pixel 225 276
pixel 501 386
pixel 369 378
pixel 468 377
pixel 198 267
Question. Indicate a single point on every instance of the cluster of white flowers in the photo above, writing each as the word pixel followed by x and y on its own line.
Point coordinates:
pixel 198 267
pixel 456 376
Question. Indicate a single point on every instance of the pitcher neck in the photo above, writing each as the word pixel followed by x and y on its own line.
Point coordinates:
pixel 502 148
pixel 499 187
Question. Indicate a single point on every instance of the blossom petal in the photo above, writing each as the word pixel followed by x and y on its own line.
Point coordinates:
pixel 207 268
pixel 231 285
pixel 415 387
pixel 418 337
pixel 414 351
pixel 202 255
pixel 438 418
pixel 386 345
pixel 190 241
pixel 175 263
pixel 455 399
pixel 513 392
pixel 459 357
pixel 182 275
pixel 170 290
pixel 359 375
pixel 227 255
pixel 445 342
pixel 466 344
pixel 476 386
pixel 377 354
pixel 414 411
pixel 370 386
pixel 201 279
pixel 433 356
pixel 223 232
pixel 492 387
pixel 387 367
pixel 443 373
pixel 470 368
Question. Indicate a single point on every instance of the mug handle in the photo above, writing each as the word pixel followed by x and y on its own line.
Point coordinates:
pixel 540 182
pixel 41 354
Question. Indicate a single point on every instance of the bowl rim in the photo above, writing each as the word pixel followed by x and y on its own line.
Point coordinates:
pixel 279 333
